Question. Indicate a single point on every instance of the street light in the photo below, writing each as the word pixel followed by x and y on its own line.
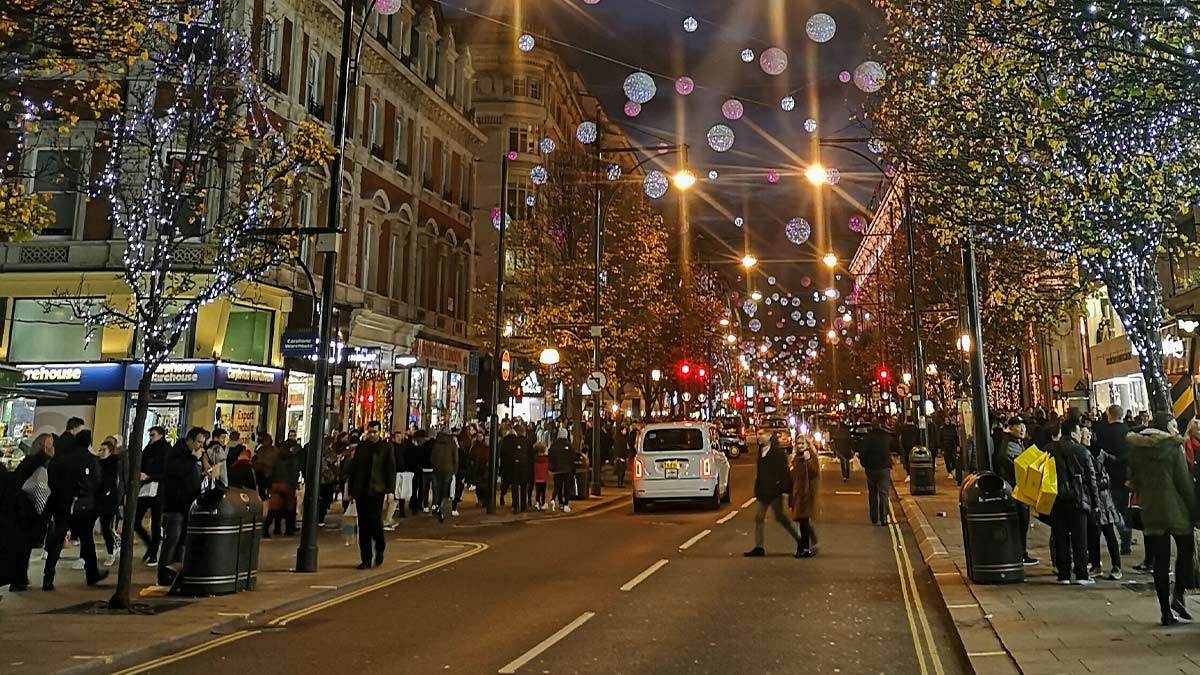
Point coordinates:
pixel 964 342
pixel 830 260
pixel 684 179
pixel 549 357
pixel 656 375
pixel 749 261
pixel 816 174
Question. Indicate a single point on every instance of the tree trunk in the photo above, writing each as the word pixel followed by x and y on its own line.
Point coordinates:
pixel 133 482
pixel 1135 298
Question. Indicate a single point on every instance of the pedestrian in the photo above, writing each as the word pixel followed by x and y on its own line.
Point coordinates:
pixel 562 469
pixel 422 464
pixel 528 439
pixel 265 457
pixel 842 448
pixel 1007 451
pixel 1112 440
pixel 329 478
pixel 218 455
pixel 372 479
pixel 281 503
pixel 772 481
pixel 876 458
pixel 512 466
pixel 110 494
pixel 74 476
pixel 183 471
pixel 25 506
pixel 1076 485
pixel 1104 517
pixel 806 480
pixel 541 474
pixel 950 445
pixel 444 459
pixel 480 455
pixel 241 470
pixel 1158 472
pixel 153 456
pixel 466 442
pixel 291 459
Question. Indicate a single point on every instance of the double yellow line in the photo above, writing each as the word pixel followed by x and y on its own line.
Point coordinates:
pixel 473 548
pixel 912 602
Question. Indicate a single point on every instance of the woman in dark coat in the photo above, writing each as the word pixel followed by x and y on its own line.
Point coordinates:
pixel 110 495
pixel 806 474
pixel 772 481
pixel 241 471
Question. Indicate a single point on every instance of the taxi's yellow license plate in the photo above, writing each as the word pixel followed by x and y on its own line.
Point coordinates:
pixel 670 466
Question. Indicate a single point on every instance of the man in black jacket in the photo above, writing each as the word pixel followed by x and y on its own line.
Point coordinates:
pixel 372 478
pixel 183 470
pixel 876 458
pixel 74 478
pixel 153 457
pixel 771 483
pixel 1111 440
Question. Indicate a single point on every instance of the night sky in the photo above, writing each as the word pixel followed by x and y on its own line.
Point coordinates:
pixel 613 38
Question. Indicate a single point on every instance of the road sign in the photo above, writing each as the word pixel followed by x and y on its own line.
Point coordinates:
pixel 596 381
pixel 505 365
pixel 298 345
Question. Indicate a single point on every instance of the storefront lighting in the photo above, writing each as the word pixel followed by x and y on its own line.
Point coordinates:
pixel 405 360
pixel 549 356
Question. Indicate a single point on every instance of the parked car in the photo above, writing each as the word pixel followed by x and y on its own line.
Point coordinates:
pixel 679 461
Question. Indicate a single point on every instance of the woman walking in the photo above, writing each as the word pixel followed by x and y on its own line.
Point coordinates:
pixel 806 480
pixel 1158 471
pixel 110 496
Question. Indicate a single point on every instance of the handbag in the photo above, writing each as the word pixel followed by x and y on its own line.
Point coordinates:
pixel 404 485
pixel 1049 490
pixel 37 488
pixel 149 489
pixel 1133 514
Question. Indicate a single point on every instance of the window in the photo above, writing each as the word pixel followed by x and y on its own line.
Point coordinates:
pixel 518 195
pixel 520 140
pixel 520 87
pixel 669 440
pixel 57 173
pixel 426 162
pixel 248 335
pixel 464 187
pixel 193 186
pixel 446 173
pixel 182 348
pixel 270 49
pixel 394 267
pixel 373 131
pixel 535 88
pixel 304 220
pixel 400 141
pixel 313 91
pixel 366 270
pixel 43 335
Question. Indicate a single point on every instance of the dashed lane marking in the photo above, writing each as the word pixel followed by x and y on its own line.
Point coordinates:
pixel 632 583
pixel 728 517
pixel 748 502
pixel 691 542
pixel 515 665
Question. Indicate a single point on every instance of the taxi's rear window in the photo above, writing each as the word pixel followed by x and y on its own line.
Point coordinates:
pixel 669 440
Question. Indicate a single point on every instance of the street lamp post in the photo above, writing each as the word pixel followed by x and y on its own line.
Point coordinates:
pixel 979 403
pixel 493 456
pixel 306 552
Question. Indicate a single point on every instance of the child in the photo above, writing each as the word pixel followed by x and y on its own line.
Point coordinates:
pixel 350 524
pixel 541 474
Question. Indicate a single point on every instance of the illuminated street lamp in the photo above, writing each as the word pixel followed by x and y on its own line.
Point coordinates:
pixel 816 174
pixel 831 334
pixel 830 260
pixel 684 179
pixel 964 342
pixel 749 261
pixel 549 357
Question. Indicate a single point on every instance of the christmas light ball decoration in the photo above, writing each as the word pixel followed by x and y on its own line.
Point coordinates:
pixel 750 307
pixel 856 223
pixel 775 297
pixel 496 218
pixel 663 148
pixel 512 155
pixel 684 86
pixel 586 132
pixel 869 76
pixel 810 125
pixel 798 231
pixel 890 170
pixel 690 24
pixel 640 88
pixel 739 221
pixel 820 27
pixel 538 175
pixel 796 316
pixel 845 76
pixel 795 302
pixel 526 43
pixel 788 103
pixel 720 138
pixel 732 109
pixel 388 7
pixel 876 146
pixel 771 281
pixel 530 200
pixel 713 175
pixel 655 184
pixel 773 61
pixel 833 176
pixel 772 177
pixel 547 145
pixel 613 172
pixel 591 2
pixel 767 301
pixel 805 281
pixel 755 325
pixel 747 55
pixel 633 108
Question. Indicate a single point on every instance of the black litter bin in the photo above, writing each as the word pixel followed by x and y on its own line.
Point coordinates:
pixel 921 472
pixel 221 550
pixel 991 530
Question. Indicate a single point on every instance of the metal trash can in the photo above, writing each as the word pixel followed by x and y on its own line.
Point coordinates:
pixel 991 530
pixel 921 472
pixel 221 549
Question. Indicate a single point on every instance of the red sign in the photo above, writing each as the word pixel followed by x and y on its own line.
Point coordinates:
pixel 505 365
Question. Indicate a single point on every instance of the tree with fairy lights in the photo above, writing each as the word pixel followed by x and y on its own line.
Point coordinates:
pixel 1070 128
pixel 199 183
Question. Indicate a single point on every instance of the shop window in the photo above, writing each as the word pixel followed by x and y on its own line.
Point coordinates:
pixel 40 334
pixel 417 406
pixel 182 348
pixel 248 335
pixel 57 173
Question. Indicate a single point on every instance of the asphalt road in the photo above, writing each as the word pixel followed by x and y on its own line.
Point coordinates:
pixel 547 597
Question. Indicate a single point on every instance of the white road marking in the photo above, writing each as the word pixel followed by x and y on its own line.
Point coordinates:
pixel 323 587
pixel 987 653
pixel 972 604
pixel 728 517
pixel 632 583
pixel 690 542
pixel 549 642
pixel 847 492
pixel 240 615
pixel 748 502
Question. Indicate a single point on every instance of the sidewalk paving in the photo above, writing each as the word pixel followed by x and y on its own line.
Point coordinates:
pixel 1040 627
pixel 59 631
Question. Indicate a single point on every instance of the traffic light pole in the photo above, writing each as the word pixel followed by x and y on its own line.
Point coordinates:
pixel 918 397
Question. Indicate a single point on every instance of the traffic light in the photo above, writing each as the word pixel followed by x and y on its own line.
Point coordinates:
pixel 518 393
pixel 1056 383
pixel 685 370
pixel 884 375
pixel 702 373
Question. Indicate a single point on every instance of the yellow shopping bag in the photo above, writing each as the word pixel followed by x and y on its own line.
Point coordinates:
pixel 1028 468
pixel 1049 492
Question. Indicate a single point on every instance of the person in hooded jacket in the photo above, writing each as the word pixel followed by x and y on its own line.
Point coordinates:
pixel 110 494
pixel 512 467
pixel 771 482
pixel 74 483
pixel 1076 487
pixel 444 459
pixel 806 482
pixel 1158 472
pixel 241 470
pixel 562 468
pixel 153 456
pixel 21 526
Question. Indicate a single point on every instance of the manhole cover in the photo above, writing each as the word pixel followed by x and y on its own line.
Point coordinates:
pixel 142 607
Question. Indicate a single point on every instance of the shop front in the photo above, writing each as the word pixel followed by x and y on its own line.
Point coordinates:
pixel 1117 376
pixel 437 386
pixel 370 385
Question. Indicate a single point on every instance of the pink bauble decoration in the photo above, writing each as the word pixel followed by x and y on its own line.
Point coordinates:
pixel 633 108
pixel 845 76
pixel 684 86
pixel 772 177
pixel 388 7
pixel 806 282
pixel 733 109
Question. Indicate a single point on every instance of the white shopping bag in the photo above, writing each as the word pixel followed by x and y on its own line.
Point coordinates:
pixel 404 485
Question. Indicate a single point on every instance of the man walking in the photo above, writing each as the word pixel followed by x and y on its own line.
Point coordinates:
pixel 1111 440
pixel 153 457
pixel 444 458
pixel 772 481
pixel 372 478
pixel 876 458
pixel 74 476
pixel 183 471
pixel 842 448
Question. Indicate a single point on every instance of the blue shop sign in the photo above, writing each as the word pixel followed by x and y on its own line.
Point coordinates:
pixel 244 377
pixel 106 376
pixel 174 376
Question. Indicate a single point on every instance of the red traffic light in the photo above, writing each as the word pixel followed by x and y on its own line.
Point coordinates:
pixel 1056 382
pixel 884 375
pixel 685 370
pixel 702 373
